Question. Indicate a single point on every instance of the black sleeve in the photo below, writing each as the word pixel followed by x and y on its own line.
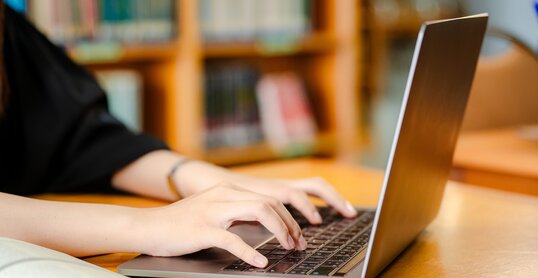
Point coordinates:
pixel 56 134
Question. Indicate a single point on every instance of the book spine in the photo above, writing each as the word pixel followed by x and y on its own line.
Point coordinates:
pixel 231 113
pixel 250 20
pixel 125 21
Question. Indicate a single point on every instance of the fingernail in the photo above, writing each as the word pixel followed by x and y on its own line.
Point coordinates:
pixel 260 261
pixel 291 242
pixel 317 217
pixel 302 242
pixel 350 207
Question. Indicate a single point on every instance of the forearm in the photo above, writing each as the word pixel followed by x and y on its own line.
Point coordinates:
pixel 147 176
pixel 74 228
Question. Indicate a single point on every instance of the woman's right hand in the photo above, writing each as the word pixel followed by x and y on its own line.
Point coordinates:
pixel 201 221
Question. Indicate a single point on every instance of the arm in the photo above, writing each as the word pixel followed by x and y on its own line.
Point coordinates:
pixel 147 176
pixel 187 226
pixel 194 223
pixel 75 228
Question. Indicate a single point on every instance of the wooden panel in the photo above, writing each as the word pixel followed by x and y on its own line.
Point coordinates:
pixel 315 43
pixel 127 54
pixel 173 75
pixel 479 232
pixel 497 158
pixel 325 144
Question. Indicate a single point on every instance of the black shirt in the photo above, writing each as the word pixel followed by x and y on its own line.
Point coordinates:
pixel 56 134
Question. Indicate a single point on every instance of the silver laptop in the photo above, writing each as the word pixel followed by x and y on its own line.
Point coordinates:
pixel 432 111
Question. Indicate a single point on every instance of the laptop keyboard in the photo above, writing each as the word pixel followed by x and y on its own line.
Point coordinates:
pixel 331 247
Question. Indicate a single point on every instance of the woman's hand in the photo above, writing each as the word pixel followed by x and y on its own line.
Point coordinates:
pixel 296 192
pixel 201 221
pixel 146 177
pixel 196 176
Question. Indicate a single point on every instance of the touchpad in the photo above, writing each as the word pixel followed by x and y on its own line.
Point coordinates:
pixel 252 233
pixel 211 260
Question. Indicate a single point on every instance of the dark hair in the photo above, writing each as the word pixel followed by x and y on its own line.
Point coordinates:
pixel 3 79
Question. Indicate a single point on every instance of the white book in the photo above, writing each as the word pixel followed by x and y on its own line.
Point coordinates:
pixel 124 93
pixel 41 13
pixel 21 259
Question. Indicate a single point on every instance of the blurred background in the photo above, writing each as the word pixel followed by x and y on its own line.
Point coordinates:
pixel 242 81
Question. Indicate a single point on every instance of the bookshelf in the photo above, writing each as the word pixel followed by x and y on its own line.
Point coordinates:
pixel 385 25
pixel 311 44
pixel 117 54
pixel 325 58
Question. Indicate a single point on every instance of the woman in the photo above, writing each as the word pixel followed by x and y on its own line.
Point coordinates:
pixel 56 135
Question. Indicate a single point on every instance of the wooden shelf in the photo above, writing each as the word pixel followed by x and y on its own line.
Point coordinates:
pixel 326 144
pixel 116 53
pixel 326 59
pixel 314 43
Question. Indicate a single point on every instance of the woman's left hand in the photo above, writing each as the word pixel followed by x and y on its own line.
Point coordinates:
pixel 199 176
pixel 297 192
pixel 146 177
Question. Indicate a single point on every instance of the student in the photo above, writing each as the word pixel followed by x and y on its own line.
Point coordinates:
pixel 56 135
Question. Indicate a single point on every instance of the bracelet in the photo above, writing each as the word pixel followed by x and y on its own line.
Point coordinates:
pixel 170 177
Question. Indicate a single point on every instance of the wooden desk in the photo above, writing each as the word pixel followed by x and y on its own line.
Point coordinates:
pixel 479 231
pixel 497 158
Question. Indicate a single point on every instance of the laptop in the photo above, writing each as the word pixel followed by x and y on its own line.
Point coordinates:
pixel 432 111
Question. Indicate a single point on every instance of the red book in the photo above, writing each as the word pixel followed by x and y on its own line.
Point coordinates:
pixel 286 117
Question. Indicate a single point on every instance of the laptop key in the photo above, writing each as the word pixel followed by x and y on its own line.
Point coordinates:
pixel 271 262
pixel 299 254
pixel 315 259
pixel 281 252
pixel 256 269
pixel 332 263
pixel 275 256
pixel 281 267
pixel 292 260
pixel 236 267
pixel 329 248
pixel 299 271
pixel 332 245
pixel 323 270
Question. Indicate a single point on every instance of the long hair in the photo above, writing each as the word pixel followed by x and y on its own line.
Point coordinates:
pixel 3 79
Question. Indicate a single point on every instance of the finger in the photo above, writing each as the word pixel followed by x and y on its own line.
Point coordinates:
pixel 300 201
pixel 278 207
pixel 291 224
pixel 235 245
pixel 319 187
pixel 262 212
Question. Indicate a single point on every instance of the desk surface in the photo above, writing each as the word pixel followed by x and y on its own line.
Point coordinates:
pixel 479 231
pixel 497 158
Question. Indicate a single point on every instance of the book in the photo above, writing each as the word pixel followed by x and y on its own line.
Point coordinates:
pixel 124 94
pixel 254 20
pixel 22 259
pixel 243 108
pixel 69 22
pixel 231 112
pixel 287 120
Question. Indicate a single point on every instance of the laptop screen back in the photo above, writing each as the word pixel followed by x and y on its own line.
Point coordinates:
pixel 436 95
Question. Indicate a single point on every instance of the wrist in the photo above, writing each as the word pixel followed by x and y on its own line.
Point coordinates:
pixel 139 237
pixel 197 176
pixel 171 177
pixel 150 231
